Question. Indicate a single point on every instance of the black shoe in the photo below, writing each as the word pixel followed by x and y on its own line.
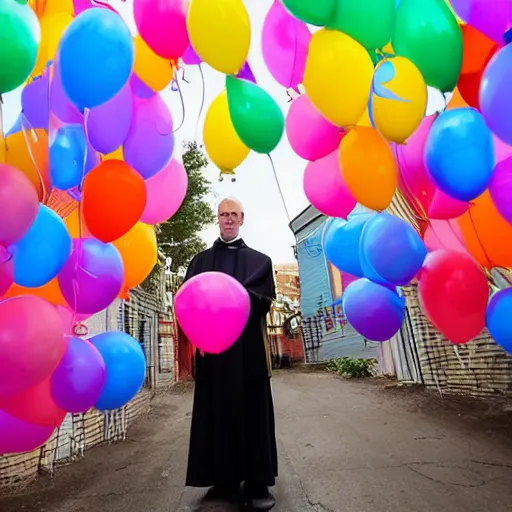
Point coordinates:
pixel 223 494
pixel 259 498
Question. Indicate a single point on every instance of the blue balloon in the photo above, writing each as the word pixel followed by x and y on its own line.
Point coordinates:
pixel 71 158
pixel 126 368
pixel 341 243
pixel 498 315
pixel 96 57
pixel 40 255
pixel 459 153
pixel 391 251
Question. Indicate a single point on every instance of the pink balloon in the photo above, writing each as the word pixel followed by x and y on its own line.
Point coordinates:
pixel 31 343
pixel 285 45
pixel 69 319
pixel 82 5
pixel 163 26
pixel 18 436
pixel 190 57
pixel 212 309
pixel 18 204
pixel 310 135
pixel 325 189
pixel 501 188
pixel 165 193
pixel 445 207
pixel 501 150
pixel 444 234
pixel 6 270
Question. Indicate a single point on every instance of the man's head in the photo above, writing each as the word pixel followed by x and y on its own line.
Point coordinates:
pixel 231 217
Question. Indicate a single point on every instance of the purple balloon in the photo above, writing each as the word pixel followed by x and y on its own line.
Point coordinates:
pixel 108 125
pixel 60 104
pixel 501 188
pixel 92 277
pixel 374 311
pixel 139 88
pixel 78 381
pixel 35 102
pixel 246 73
pixel 17 436
pixel 190 57
pixel 150 142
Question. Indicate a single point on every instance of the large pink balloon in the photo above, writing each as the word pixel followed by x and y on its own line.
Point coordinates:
pixel 18 204
pixel 163 26
pixel 444 234
pixel 18 436
pixel 212 309
pixel 165 193
pixel 444 207
pixel 31 343
pixel 6 270
pixel 285 45
pixel 501 188
pixel 325 188
pixel 310 135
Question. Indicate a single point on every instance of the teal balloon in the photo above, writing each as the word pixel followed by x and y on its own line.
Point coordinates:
pixel 316 12
pixel 256 117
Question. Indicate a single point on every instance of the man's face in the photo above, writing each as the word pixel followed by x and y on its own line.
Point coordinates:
pixel 230 219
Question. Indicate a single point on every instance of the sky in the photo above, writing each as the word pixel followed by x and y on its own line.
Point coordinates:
pixel 266 223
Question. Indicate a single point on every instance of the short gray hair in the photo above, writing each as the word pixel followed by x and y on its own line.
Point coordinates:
pixel 233 200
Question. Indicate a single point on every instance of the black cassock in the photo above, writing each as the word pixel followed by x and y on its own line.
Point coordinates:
pixel 233 428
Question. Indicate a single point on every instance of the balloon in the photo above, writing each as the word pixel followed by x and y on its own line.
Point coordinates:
pixel 374 311
pixel 453 293
pixel 165 193
pixel 223 305
pixel 126 368
pixel 163 26
pixel 95 57
pixel 331 55
pixel 398 99
pixel 139 88
pixel 34 102
pixel 368 167
pixel 43 250
pixel 150 142
pixel 326 189
pixel 500 188
pixel 60 104
pixel 317 13
pixel 341 244
pixel 65 6
pixel 49 292
pixel 18 204
pixel 369 22
pixel 139 253
pixel 75 224
pixel 71 158
pixel 459 154
pixel 118 154
pixel 256 117
pixel 108 125
pixel 310 135
pixel 53 26
pixel 487 234
pixel 17 436
pixel 391 250
pixel 498 316
pixel 444 234
pixel 221 141
pixel 220 33
pixel 6 270
pixel 20 35
pixel 190 57
pixel 31 343
pixel 114 197
pixel 285 42
pixel 246 73
pixel 78 381
pixel 495 101
pixel 445 207
pixel 153 70
pixel 428 34
pixel 70 319
pixel 92 277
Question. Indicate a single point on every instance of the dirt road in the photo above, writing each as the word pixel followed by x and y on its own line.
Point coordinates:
pixel 345 446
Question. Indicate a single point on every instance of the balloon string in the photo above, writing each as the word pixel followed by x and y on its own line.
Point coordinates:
pixel 279 187
pixel 175 80
pixel 203 95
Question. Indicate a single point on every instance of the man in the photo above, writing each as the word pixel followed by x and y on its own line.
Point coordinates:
pixel 233 429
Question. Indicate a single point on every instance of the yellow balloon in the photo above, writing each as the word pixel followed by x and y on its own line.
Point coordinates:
pixel 220 33
pixel 118 154
pixel 365 119
pixel 338 77
pixel 388 49
pixel 52 28
pixel 221 141
pixel 153 70
pixel 399 98
pixel 65 6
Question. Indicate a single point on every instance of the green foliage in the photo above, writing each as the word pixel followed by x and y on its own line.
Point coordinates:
pixel 351 368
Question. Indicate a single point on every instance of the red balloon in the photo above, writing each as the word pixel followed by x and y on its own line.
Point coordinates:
pixel 453 293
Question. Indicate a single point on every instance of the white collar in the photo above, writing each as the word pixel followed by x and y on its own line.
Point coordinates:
pixel 231 241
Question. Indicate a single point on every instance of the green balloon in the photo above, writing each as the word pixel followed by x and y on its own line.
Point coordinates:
pixel 255 115
pixel 427 33
pixel 370 22
pixel 315 12
pixel 20 35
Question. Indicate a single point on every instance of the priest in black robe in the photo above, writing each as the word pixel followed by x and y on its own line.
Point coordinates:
pixel 232 437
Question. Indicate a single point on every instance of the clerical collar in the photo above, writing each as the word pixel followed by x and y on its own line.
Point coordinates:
pixel 238 237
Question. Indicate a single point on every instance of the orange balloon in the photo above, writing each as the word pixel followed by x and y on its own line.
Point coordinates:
pixel 139 252
pixel 487 234
pixel 114 197
pixel 50 292
pixel 368 167
pixel 76 225
pixel 456 101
